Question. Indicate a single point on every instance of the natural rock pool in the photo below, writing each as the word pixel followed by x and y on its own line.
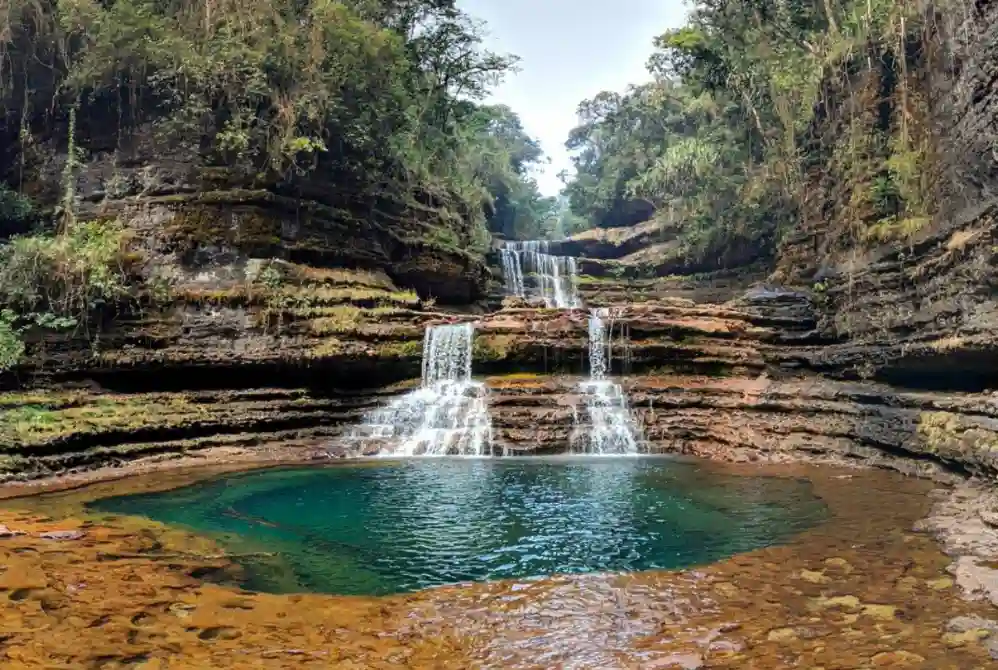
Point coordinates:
pixel 858 585
pixel 374 529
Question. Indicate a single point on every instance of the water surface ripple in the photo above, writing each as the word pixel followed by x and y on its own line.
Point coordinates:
pixel 408 525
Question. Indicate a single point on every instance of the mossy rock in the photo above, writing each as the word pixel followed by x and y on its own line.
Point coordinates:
pixel 247 229
pixel 404 349
pixel 491 348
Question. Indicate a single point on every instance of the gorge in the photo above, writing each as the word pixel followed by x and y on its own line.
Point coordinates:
pixel 299 368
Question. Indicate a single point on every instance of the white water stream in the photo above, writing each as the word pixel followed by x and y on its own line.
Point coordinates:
pixel 609 427
pixel 555 276
pixel 447 415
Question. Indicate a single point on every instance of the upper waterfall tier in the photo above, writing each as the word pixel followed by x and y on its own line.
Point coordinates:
pixel 556 277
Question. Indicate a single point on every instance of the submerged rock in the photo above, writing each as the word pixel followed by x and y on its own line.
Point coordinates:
pixel 62 535
pixel 7 532
pixel 680 662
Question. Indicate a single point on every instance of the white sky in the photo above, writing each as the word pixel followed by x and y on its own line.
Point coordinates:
pixel 570 50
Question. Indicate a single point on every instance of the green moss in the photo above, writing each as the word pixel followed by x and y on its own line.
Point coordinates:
pixel 60 414
pixel 329 347
pixel 944 434
pixel 340 319
pixel 490 348
pixel 198 226
pixel 403 349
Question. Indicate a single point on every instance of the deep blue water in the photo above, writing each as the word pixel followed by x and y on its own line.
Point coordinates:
pixel 403 526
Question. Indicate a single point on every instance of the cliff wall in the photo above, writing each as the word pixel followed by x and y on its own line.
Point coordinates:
pixel 912 301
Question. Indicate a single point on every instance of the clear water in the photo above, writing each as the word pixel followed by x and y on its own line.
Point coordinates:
pixel 447 415
pixel 408 525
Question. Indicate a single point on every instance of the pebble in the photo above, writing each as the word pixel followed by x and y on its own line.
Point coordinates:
pixel 725 647
pixel 962 624
pixel 62 535
pixel 845 602
pixel 7 532
pixel 939 584
pixel 966 637
pixel 894 658
pixel 882 612
pixel 840 563
pixel 814 577
pixel 782 635
pixel 681 662
pixel 726 589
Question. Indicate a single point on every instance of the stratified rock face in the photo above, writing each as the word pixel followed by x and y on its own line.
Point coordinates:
pixel 246 278
pixel 652 249
pixel 739 381
pixel 762 419
pixel 918 311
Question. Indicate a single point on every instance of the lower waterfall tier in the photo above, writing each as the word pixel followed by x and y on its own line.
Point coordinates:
pixel 748 379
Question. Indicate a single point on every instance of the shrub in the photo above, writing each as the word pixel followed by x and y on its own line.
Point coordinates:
pixel 11 346
pixel 56 281
pixel 17 212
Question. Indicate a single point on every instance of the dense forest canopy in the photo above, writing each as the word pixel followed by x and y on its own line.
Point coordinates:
pixel 385 94
pixel 722 141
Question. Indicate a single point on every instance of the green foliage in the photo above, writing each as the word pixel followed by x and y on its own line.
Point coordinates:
pixel 504 157
pixel 57 281
pixel 722 142
pixel 11 346
pixel 16 211
pixel 379 96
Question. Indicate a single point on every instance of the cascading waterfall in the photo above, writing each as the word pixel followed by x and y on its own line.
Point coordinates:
pixel 447 415
pixel 512 272
pixel 556 276
pixel 610 428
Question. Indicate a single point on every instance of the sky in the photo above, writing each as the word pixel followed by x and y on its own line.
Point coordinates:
pixel 570 50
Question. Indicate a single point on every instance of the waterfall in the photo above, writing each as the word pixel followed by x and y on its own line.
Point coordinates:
pixel 512 272
pixel 556 276
pixel 610 429
pixel 447 414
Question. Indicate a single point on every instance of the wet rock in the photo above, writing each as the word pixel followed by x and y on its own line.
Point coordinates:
pixel 989 516
pixel 782 635
pixel 977 579
pixel 975 628
pixel 62 535
pixel 181 610
pixel 896 658
pixel 514 302
pixel 681 662
pixel 7 532
pixel 881 612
